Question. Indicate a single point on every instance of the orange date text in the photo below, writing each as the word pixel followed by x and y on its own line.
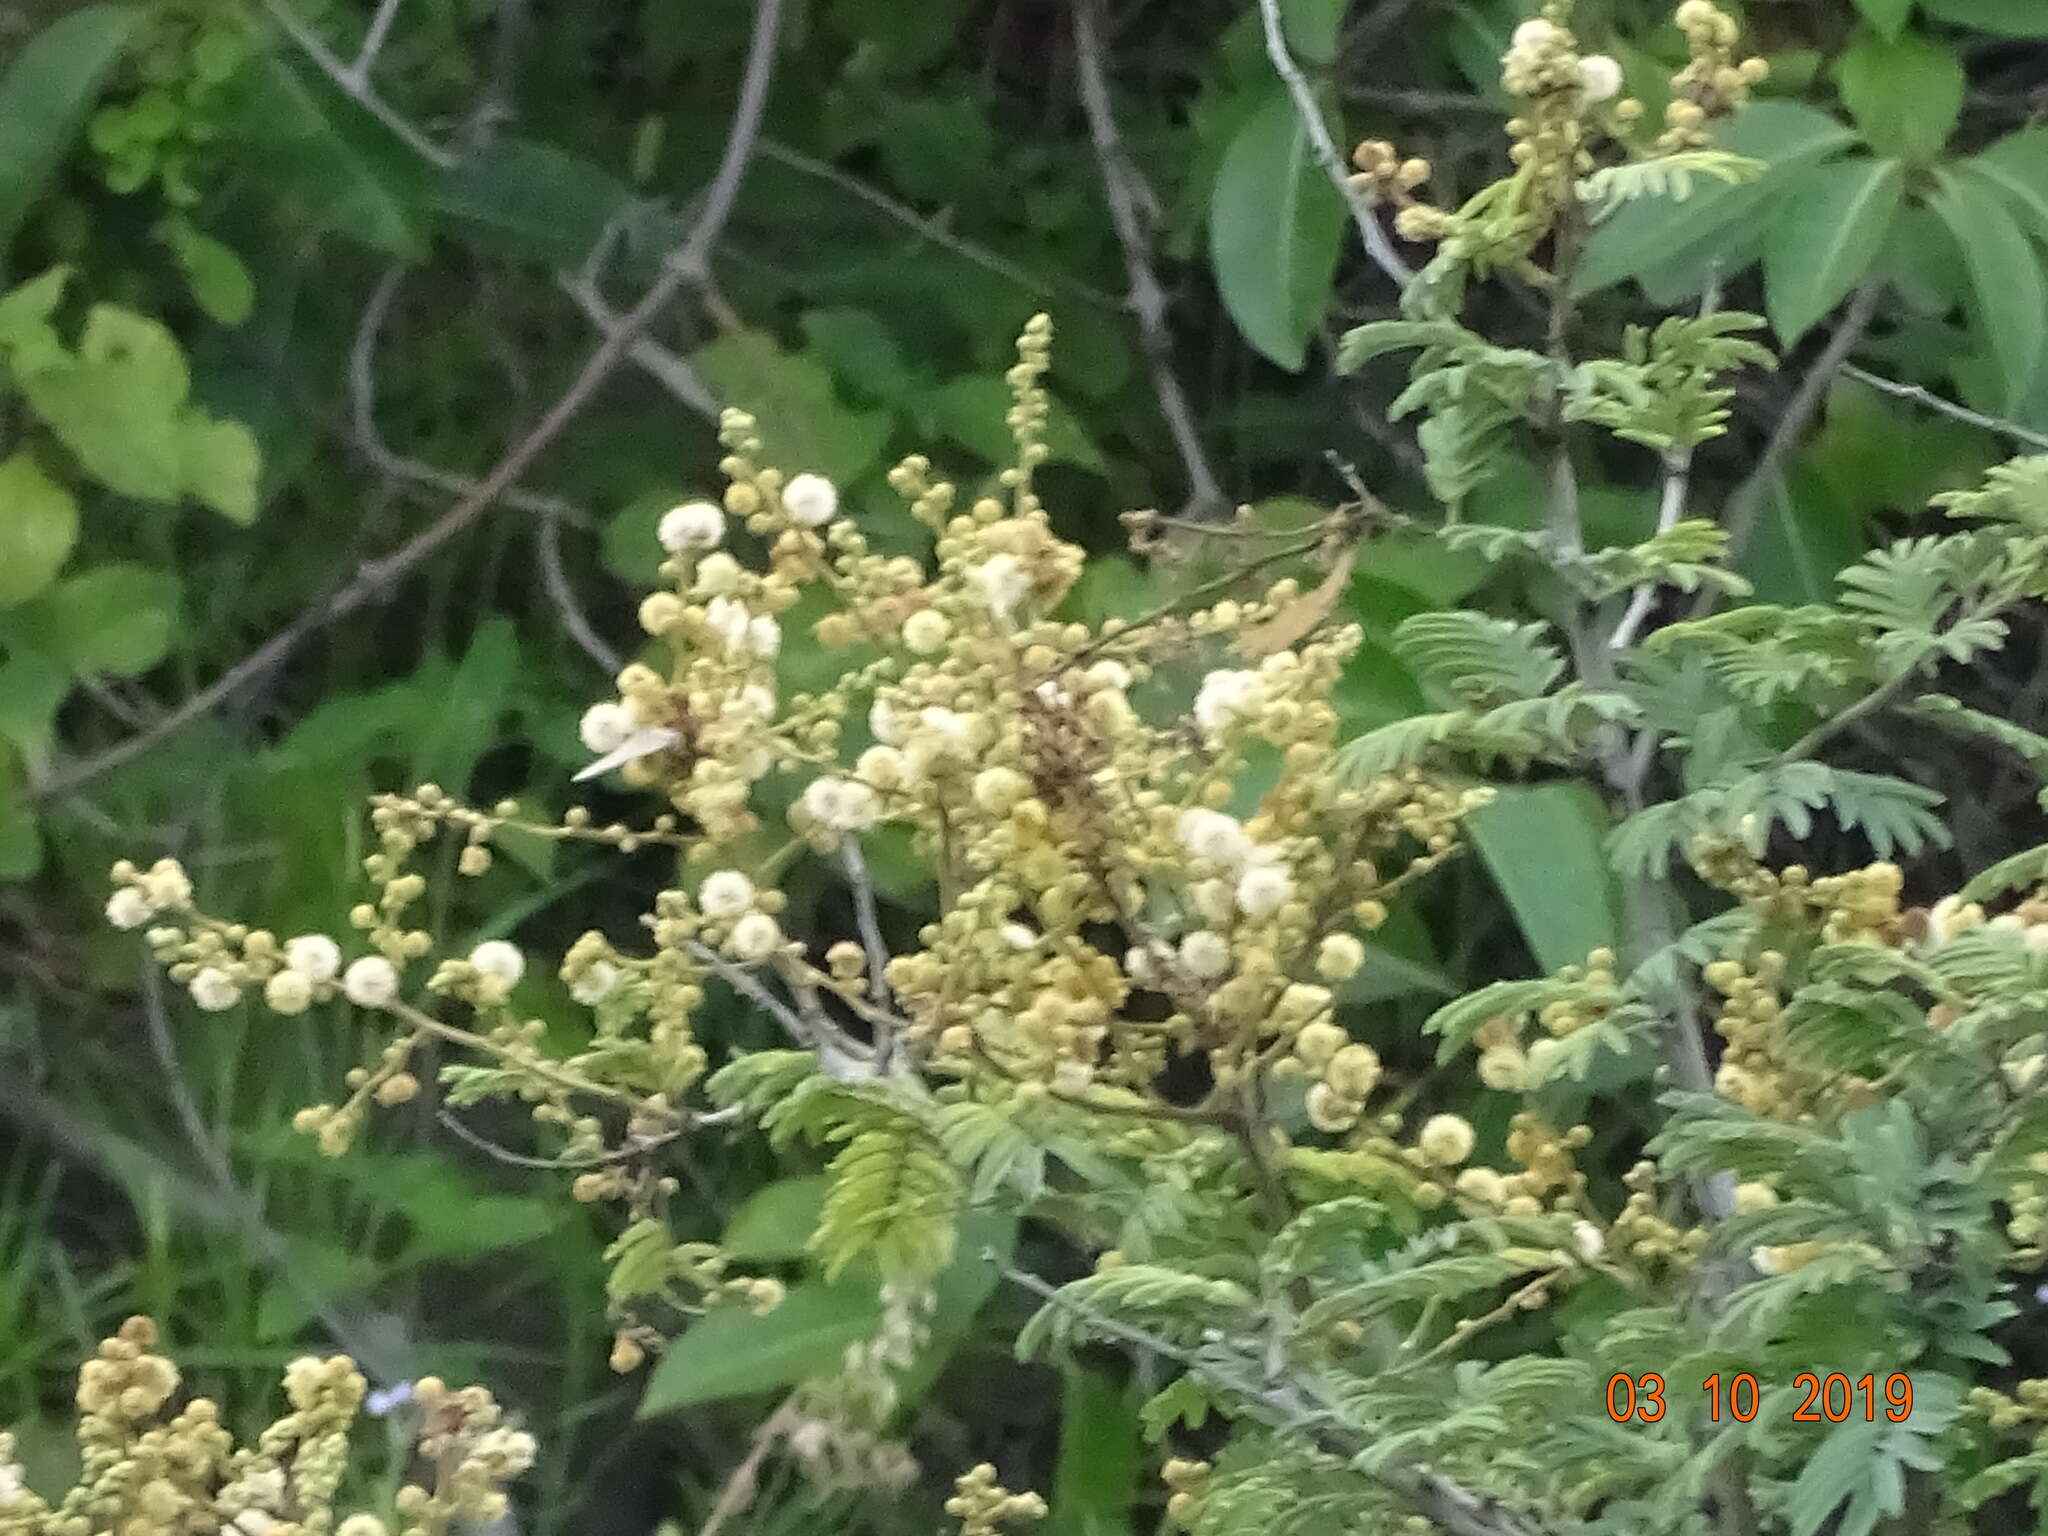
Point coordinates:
pixel 1830 1398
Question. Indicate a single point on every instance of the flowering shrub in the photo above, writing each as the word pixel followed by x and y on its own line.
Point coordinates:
pixel 147 1470
pixel 1158 871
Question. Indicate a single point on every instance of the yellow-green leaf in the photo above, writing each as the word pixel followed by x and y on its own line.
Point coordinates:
pixel 38 526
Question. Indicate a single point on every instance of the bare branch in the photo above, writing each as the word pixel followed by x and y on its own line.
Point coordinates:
pixel 357 90
pixel 1377 245
pixel 685 266
pixel 548 550
pixel 1937 403
pixel 1133 210
pixel 373 41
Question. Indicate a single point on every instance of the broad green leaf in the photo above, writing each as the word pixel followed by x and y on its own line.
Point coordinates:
pixel 44 97
pixel 32 688
pixel 1888 17
pixel 1824 236
pixel 2018 166
pixel 732 1353
pixel 114 405
pixel 2010 300
pixel 1095 1480
pixel 803 423
pixel 21 839
pixel 222 465
pixel 1311 28
pixel 2008 18
pixel 971 412
pixel 1905 94
pixel 344 170
pixel 464 725
pixel 1275 228
pixel 530 201
pixel 116 619
pixel 1654 232
pixel 1544 847
pixel 220 284
pixel 28 340
pixel 774 1224
pixel 1805 533
pixel 38 527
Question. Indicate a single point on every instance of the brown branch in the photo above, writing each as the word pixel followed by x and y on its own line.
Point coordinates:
pixel 1133 210
pixel 686 266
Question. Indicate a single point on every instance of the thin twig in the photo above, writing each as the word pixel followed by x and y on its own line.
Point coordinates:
pixel 358 91
pixel 1743 506
pixel 1947 407
pixel 1670 507
pixel 1291 1405
pixel 930 229
pixel 666 368
pixel 685 266
pixel 373 41
pixel 1134 211
pixel 870 923
pixel 548 550
pixel 1377 245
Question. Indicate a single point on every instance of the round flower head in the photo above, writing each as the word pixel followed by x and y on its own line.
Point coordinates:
pixel 1214 836
pixel 755 936
pixel 129 908
pixel 314 956
pixel 1446 1140
pixel 841 805
pixel 1599 78
pixel 1262 888
pixel 1339 957
pixel 764 637
pixel 289 991
pixel 1224 696
pixel 605 727
pixel 1205 955
pixel 811 500
pixel 693 525
pixel 717 574
pixel 926 631
pixel 214 990
pixel 725 894
pixel 597 983
pixel 370 982
pixel 1001 583
pixel 495 957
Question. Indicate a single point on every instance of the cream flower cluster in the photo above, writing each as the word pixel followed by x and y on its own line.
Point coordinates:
pixel 152 1471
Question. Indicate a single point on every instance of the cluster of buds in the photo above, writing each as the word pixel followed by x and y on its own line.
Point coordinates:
pixel 1643 1234
pixel 1713 83
pixel 1384 176
pixel 148 1471
pixel 983 1505
pixel 1187 1481
pixel 2023 1409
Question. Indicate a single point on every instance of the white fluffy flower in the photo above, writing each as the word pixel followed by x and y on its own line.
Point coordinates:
pixel 717 574
pixel 129 908
pixel 1588 1240
pixel 693 525
pixel 1018 936
pixel 495 957
pixel 764 636
pixel 725 894
pixel 811 500
pixel 925 632
pixel 841 804
pixel 1001 582
pixel 1214 836
pixel 1599 78
pixel 370 982
pixel 1262 888
pixel 599 980
pixel 214 989
pixel 756 699
pixel 1139 966
pixel 166 886
pixel 289 991
pixel 1446 1140
pixel 605 727
pixel 1224 695
pixel 1205 955
pixel 886 724
pixel 755 936
pixel 314 956
pixel 1533 35
pixel 729 620
pixel 1340 957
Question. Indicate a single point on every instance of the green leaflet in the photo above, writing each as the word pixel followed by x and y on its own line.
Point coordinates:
pixel 1275 227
